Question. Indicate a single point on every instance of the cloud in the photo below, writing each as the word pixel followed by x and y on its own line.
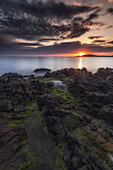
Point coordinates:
pixel 26 44
pixel 72 47
pixel 99 41
pixel 110 1
pixel 90 19
pixel 110 11
pixel 38 20
pixel 63 48
pixel 110 26
pixel 8 44
pixel 95 37
pixel 110 42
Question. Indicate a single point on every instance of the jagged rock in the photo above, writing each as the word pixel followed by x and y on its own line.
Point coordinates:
pixel 11 143
pixel 83 124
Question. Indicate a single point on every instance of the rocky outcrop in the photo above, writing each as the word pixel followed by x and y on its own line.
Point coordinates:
pixel 94 90
pixel 61 73
pixel 11 142
pixel 79 117
pixel 84 137
pixel 42 69
pixel 83 125
pixel 15 92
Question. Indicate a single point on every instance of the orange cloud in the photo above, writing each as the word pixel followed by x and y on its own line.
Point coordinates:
pixel 110 1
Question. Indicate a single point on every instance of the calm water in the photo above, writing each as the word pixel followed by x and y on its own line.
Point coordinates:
pixel 28 65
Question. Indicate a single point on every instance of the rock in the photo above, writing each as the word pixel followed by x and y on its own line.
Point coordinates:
pixel 106 113
pixel 80 123
pixel 82 129
pixel 42 69
pixel 11 142
pixel 6 105
pixel 19 108
pixel 28 76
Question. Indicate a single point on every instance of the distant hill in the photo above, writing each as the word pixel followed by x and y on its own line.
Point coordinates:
pixel 91 55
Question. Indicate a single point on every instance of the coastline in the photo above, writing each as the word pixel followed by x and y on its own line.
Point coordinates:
pixel 79 117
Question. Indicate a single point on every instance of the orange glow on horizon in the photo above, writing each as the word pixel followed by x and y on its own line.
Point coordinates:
pixel 78 54
pixel 45 55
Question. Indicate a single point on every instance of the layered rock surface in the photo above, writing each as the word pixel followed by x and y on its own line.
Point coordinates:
pixel 84 125
pixel 79 118
pixel 15 92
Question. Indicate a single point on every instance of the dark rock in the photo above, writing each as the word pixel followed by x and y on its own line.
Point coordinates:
pixel 28 76
pixel 82 122
pixel 11 140
pixel 19 108
pixel 42 69
pixel 106 113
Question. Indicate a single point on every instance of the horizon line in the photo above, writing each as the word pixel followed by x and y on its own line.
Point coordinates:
pixel 53 55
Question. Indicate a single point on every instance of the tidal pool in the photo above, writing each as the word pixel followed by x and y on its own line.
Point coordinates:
pixel 57 83
pixel 43 152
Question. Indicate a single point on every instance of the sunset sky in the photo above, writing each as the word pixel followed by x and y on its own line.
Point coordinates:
pixel 55 27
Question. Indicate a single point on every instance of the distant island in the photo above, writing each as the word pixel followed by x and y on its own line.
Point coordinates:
pixel 92 55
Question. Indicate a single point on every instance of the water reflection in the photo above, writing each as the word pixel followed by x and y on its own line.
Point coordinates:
pixel 80 65
pixel 26 66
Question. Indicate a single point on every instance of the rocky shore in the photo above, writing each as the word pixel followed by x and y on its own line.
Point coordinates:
pixel 79 117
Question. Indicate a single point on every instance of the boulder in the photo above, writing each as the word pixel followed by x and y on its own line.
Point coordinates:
pixel 42 70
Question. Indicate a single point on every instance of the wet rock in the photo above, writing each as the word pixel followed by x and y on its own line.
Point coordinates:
pixel 11 143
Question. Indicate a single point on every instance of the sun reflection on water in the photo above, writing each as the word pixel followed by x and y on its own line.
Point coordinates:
pixel 80 65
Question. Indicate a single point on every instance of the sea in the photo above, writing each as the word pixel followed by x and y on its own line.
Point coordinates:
pixel 27 65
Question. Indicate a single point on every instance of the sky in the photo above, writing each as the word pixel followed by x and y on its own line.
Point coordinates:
pixel 55 27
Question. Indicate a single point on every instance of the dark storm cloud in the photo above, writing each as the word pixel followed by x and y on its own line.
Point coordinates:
pixel 26 44
pixel 63 48
pixel 110 11
pixel 35 21
pixel 51 8
pixel 110 42
pixel 99 41
pixel 95 37
pixel 7 44
pixel 89 21
pixel 92 16
pixel 69 47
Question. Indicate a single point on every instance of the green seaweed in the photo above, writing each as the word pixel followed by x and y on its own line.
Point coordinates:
pixel 26 164
pixel 23 115
pixel 65 94
pixel 61 149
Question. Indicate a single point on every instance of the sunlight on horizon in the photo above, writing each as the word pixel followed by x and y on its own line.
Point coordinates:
pixel 80 54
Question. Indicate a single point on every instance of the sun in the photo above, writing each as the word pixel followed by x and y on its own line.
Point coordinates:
pixel 81 54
